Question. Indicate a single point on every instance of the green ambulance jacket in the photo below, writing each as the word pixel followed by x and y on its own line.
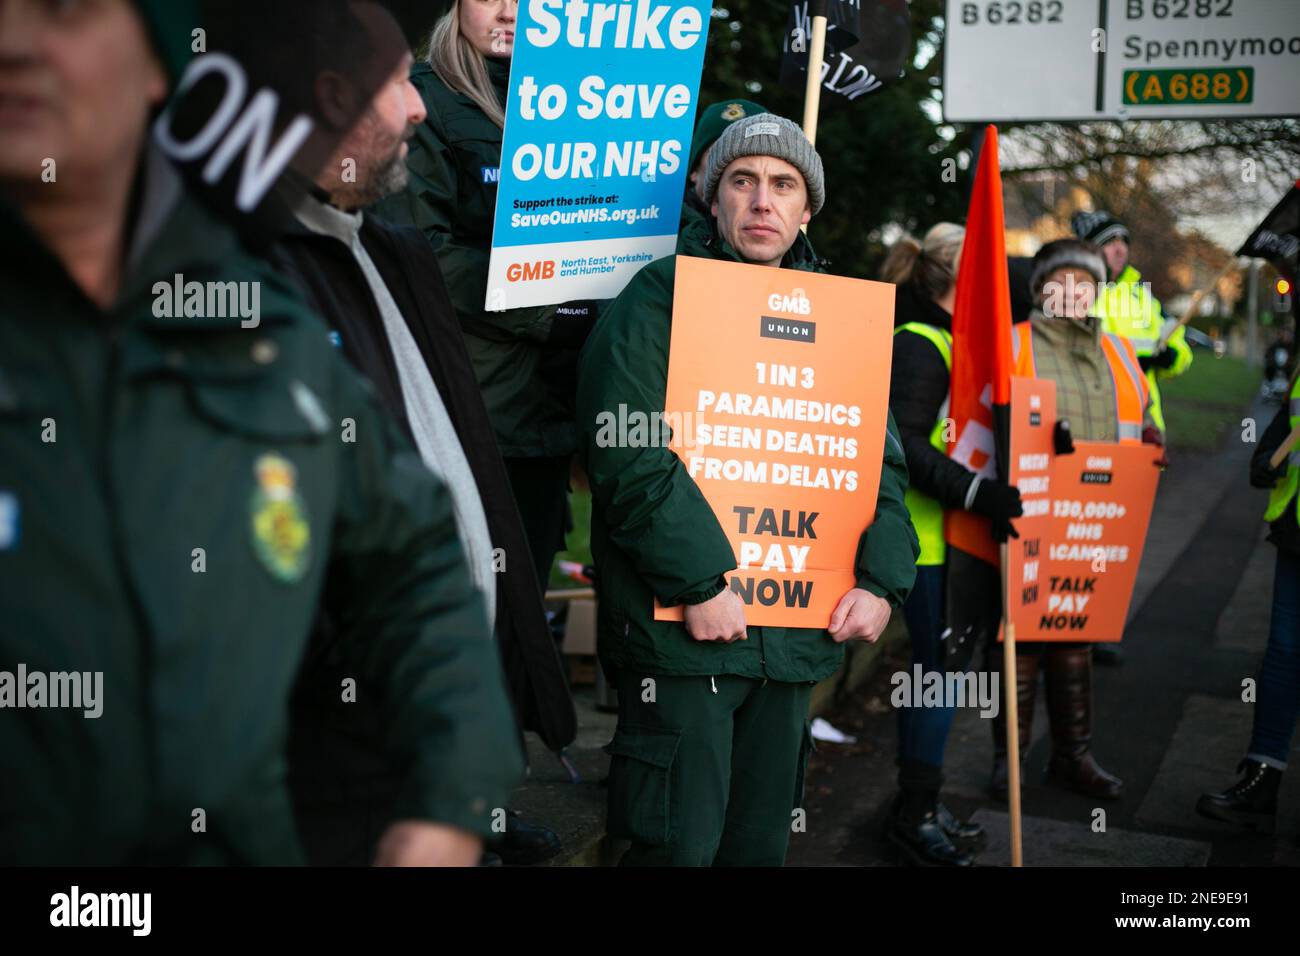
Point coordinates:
pixel 653 534
pixel 128 441
pixel 451 197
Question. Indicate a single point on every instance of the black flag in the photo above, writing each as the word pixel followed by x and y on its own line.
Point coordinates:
pixel 1277 238
pixel 867 44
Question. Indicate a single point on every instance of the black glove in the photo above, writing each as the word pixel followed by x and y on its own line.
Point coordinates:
pixel 1165 358
pixel 1263 474
pixel 1062 440
pixel 999 503
pixel 1154 436
pixel 572 323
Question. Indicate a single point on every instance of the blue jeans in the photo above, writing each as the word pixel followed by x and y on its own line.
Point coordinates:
pixel 923 731
pixel 1278 703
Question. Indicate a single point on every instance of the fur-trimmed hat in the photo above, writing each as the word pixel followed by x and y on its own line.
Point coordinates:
pixel 1065 254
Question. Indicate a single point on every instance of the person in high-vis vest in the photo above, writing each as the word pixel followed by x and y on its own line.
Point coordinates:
pixel 1252 801
pixel 1101 395
pixel 1127 308
pixel 920 826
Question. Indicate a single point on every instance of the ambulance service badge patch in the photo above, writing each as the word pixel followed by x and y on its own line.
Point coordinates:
pixel 281 531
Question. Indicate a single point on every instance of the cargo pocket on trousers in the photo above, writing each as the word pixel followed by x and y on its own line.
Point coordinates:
pixel 640 784
pixel 806 749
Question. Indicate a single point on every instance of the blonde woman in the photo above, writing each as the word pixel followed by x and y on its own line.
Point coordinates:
pixel 524 359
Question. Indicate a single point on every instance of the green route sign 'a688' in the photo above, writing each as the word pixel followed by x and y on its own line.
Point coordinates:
pixel 1191 87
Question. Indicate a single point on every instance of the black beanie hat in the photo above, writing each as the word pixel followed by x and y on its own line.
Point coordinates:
pixel 1098 227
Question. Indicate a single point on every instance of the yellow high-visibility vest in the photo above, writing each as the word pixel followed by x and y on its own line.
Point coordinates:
pixel 1131 391
pixel 1285 489
pixel 1127 308
pixel 926 512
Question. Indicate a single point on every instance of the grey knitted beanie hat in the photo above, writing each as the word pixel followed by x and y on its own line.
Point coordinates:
pixel 767 134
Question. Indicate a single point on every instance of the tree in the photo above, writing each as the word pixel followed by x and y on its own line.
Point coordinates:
pixel 1157 177
pixel 1219 157
pixel 884 153
pixel 887 153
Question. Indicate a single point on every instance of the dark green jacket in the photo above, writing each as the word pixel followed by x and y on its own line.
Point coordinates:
pixel 653 535
pixel 128 441
pixel 693 209
pixel 452 194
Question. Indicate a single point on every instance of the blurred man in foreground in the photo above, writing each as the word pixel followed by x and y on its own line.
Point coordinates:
pixel 178 495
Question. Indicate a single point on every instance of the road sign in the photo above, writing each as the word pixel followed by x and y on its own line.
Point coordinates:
pixel 1007 60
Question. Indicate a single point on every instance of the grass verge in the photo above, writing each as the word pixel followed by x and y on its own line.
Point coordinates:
pixel 1207 402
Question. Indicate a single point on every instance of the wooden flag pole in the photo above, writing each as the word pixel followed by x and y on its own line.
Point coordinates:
pixel 812 90
pixel 1012 717
pixel 1284 449
pixel 1196 300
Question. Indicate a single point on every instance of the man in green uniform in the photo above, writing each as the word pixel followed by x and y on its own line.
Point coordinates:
pixel 180 491
pixel 712 741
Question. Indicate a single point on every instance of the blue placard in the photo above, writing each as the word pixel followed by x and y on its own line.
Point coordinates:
pixel 599 117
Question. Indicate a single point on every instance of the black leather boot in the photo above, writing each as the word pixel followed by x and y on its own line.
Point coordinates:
pixel 914 829
pixel 915 826
pixel 964 835
pixel 1251 802
pixel 524 843
pixel 1027 668
pixel 1069 709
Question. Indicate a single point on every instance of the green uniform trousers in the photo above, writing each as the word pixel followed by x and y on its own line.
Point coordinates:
pixel 707 771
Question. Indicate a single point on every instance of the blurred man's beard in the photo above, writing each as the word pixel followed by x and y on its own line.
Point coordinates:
pixel 378 183
pixel 389 178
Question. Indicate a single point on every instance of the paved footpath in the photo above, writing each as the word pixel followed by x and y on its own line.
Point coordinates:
pixel 1170 721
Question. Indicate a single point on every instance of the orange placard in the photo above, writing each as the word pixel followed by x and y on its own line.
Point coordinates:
pixel 1070 574
pixel 778 391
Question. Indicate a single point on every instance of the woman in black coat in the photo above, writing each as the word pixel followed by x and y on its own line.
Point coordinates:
pixel 926 275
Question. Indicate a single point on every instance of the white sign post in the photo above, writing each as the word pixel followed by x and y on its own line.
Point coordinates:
pixel 1026 60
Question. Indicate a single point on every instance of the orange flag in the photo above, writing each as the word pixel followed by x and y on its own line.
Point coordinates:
pixel 981 351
